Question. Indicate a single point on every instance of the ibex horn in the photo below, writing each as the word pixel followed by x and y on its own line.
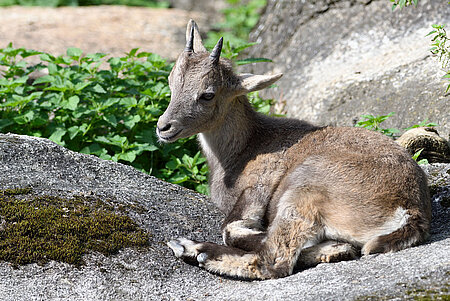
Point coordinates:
pixel 190 42
pixel 215 54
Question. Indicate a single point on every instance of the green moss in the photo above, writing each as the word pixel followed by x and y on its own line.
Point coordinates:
pixel 15 191
pixel 43 228
pixel 429 294
pixel 438 292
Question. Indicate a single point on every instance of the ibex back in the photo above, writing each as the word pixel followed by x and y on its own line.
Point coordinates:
pixel 290 190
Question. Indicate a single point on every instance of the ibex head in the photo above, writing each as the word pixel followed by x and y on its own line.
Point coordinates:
pixel 203 87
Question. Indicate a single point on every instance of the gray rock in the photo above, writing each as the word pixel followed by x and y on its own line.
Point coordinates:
pixel 345 58
pixel 171 211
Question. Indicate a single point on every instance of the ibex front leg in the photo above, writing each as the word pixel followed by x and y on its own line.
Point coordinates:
pixel 244 226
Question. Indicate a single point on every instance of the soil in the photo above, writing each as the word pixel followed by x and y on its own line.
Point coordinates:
pixel 108 29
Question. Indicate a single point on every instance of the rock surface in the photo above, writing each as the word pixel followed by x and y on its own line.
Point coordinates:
pixel 171 211
pixel 433 147
pixel 113 30
pixel 345 58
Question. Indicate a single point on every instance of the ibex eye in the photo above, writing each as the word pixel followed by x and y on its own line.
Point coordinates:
pixel 207 96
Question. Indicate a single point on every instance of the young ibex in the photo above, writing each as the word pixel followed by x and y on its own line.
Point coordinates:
pixel 284 184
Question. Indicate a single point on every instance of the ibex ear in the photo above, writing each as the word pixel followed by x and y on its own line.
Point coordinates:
pixel 198 44
pixel 251 82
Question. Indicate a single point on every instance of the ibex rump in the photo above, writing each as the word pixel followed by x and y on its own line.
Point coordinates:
pixel 284 184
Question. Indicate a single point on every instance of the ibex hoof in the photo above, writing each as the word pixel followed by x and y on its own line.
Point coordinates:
pixel 202 257
pixel 176 247
pixel 185 248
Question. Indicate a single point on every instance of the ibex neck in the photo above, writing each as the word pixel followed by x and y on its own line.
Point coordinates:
pixel 228 140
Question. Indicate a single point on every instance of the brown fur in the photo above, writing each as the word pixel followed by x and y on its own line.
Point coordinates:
pixel 284 183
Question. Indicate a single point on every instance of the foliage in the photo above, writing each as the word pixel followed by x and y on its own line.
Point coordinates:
pixel 240 18
pixel 263 105
pixel 90 104
pixel 416 158
pixel 56 3
pixel 440 45
pixel 231 52
pixel 372 122
pixel 441 48
pixel 44 228
pixel 403 3
pixel 423 123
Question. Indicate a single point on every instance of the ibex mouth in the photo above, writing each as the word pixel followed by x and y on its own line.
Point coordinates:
pixel 169 138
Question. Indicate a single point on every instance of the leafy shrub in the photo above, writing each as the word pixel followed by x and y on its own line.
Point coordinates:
pixel 441 47
pixel 240 17
pixel 403 3
pixel 90 104
pixel 373 123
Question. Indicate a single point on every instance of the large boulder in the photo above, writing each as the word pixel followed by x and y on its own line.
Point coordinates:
pixel 345 58
pixel 169 211
pixel 113 30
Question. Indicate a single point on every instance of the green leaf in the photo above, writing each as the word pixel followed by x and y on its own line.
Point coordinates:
pixel 130 121
pixel 44 79
pixel 129 156
pixel 178 178
pixel 80 86
pixel 111 119
pixel 128 102
pixel 187 160
pixel 244 46
pixel 25 118
pixel 252 60
pixel 47 57
pixel 4 123
pixel 94 149
pixel 73 131
pixel 202 188
pixel 114 140
pixel 99 89
pixel 74 52
pixel 71 103
pixel 57 135
pixel 133 52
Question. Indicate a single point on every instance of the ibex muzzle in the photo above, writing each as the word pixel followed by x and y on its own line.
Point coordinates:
pixel 289 189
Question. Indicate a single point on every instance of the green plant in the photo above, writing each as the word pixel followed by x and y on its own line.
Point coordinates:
pixel 423 123
pixel 231 52
pixel 94 105
pixel 403 3
pixel 441 48
pixel 240 17
pixel 416 158
pixel 372 122
pixel 188 169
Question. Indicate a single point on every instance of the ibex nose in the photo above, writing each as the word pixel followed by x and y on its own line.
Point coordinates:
pixel 164 127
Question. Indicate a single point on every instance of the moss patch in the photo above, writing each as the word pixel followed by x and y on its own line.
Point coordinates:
pixel 439 292
pixel 43 228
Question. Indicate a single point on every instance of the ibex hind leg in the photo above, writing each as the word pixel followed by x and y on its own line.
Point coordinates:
pixel 413 232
